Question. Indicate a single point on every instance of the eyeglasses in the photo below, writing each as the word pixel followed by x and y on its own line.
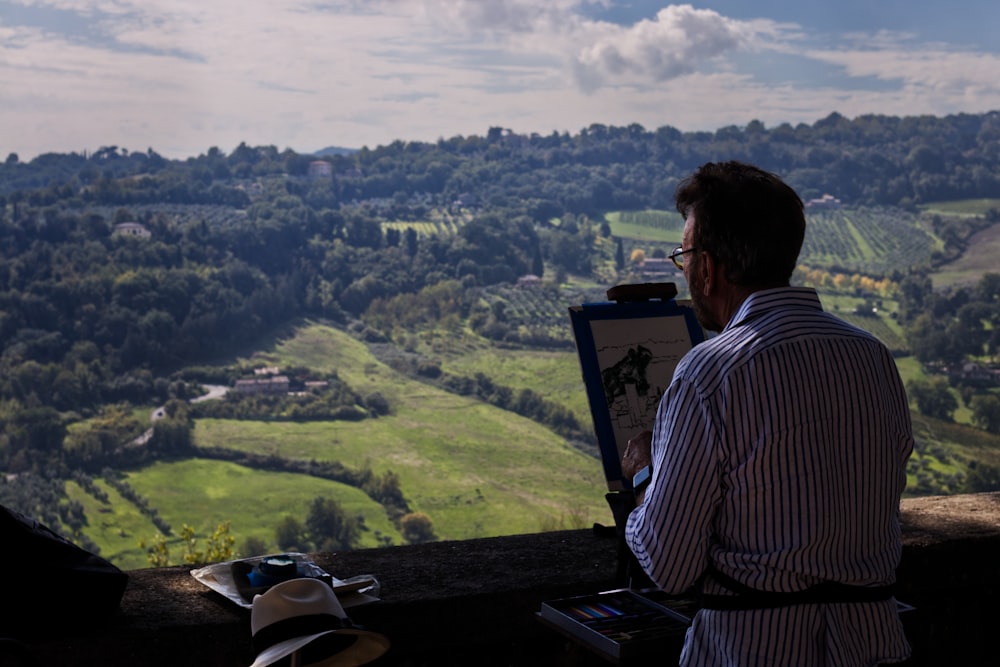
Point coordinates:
pixel 677 256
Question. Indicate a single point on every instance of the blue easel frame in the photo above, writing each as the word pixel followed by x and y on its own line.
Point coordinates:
pixel 639 316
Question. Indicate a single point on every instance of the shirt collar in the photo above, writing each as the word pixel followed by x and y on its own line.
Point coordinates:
pixel 766 300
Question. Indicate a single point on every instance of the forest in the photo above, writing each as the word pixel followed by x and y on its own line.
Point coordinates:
pixel 388 240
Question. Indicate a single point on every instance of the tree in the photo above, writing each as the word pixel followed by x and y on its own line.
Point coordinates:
pixel 191 552
pixel 410 239
pixel 619 256
pixel 377 404
pixel 986 412
pixel 392 237
pixel 253 546
pixel 37 429
pixel 915 291
pixel 173 434
pixel 933 398
pixel 417 528
pixel 289 535
pixel 537 263
pixel 218 546
pixel 329 528
pixel 989 287
pixel 157 553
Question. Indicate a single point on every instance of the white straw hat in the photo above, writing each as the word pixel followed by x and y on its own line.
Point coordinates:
pixel 305 615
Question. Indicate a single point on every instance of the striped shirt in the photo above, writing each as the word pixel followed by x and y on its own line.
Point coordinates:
pixel 779 456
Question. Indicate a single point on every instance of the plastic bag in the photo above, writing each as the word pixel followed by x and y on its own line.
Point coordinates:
pixel 227 579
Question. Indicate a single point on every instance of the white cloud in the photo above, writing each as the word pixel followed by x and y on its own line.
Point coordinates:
pixel 927 69
pixel 184 75
pixel 675 43
pixel 498 16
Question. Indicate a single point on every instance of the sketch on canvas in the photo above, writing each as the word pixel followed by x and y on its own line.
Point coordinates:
pixel 628 353
pixel 636 361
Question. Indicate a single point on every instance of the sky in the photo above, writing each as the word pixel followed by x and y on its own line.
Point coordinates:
pixel 183 76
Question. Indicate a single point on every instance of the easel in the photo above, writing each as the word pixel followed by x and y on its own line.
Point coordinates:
pixel 630 574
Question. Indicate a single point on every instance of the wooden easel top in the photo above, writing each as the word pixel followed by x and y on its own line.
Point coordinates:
pixel 642 292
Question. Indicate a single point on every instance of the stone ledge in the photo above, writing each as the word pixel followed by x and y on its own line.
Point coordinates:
pixel 474 601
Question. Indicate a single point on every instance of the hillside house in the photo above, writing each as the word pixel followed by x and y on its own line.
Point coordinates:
pixel 131 229
pixel 277 384
pixel 825 202
pixel 658 267
pixel 466 200
pixel 974 374
pixel 316 385
pixel 320 169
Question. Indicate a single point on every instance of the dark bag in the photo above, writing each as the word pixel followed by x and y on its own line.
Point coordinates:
pixel 48 583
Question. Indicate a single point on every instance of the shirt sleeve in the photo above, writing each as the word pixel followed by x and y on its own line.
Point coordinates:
pixel 670 532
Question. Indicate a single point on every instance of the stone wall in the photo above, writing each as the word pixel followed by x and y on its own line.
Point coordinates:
pixel 474 602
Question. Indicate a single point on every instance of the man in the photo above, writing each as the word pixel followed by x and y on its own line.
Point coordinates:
pixel 779 450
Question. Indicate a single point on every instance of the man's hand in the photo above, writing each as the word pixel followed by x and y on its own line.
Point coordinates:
pixel 638 454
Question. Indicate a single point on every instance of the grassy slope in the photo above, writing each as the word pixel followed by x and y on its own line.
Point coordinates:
pixel 534 465
pixel 983 248
pixel 629 230
pixel 980 257
pixel 554 374
pixel 203 494
pixel 474 469
pixel 961 207
pixel 115 527
pixel 253 500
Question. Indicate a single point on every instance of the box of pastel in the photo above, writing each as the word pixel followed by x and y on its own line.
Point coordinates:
pixel 621 625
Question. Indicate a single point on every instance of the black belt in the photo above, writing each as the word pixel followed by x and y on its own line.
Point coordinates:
pixel 827 592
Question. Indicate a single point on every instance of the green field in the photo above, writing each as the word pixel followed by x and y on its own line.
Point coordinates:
pixel 438 222
pixel 983 248
pixel 657 226
pixel 980 257
pixel 474 469
pixel 961 207
pixel 874 241
pixel 556 375
pixel 450 449
pixel 204 494
pixel 116 527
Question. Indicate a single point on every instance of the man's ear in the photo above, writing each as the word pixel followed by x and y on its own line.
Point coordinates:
pixel 707 267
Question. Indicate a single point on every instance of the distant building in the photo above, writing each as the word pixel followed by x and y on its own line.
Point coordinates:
pixel 320 169
pixel 277 384
pixel 973 374
pixel 466 200
pixel 826 201
pixel 254 190
pixel 131 229
pixel 530 280
pixel 658 266
pixel 316 385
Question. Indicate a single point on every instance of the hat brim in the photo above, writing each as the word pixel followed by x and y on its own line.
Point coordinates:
pixel 348 647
